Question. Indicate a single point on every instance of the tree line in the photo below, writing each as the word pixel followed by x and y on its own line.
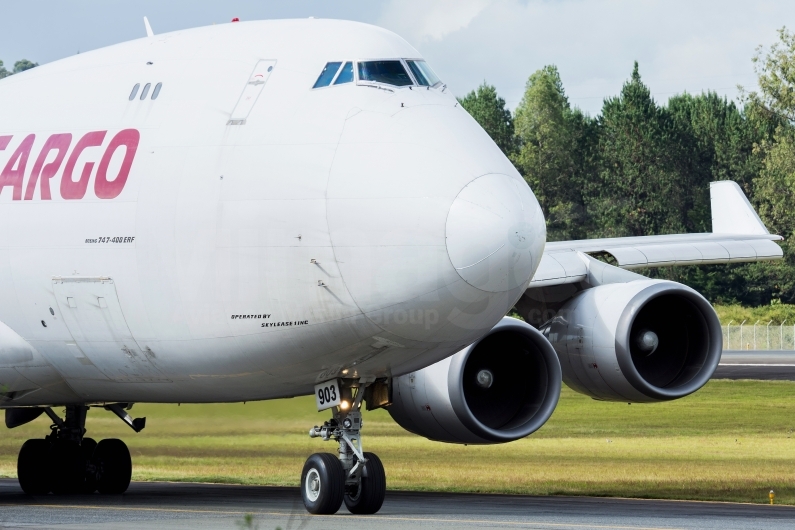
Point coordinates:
pixel 19 66
pixel 643 168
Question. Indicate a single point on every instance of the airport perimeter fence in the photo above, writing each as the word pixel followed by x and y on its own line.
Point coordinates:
pixel 759 336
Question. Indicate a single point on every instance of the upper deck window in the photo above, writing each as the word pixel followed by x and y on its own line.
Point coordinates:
pixel 135 91
pixel 423 73
pixel 327 75
pixel 387 72
pixel 145 91
pixel 346 74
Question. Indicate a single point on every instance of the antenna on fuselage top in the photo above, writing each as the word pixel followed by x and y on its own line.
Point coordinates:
pixel 149 32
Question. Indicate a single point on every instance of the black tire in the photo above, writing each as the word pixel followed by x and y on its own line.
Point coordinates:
pixel 368 496
pixel 87 449
pixel 323 484
pixel 113 466
pixel 33 467
pixel 68 467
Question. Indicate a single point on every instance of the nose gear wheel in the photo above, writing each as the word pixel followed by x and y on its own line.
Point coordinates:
pixel 323 481
pixel 367 496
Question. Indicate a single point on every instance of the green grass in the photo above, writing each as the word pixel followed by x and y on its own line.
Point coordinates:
pixel 732 441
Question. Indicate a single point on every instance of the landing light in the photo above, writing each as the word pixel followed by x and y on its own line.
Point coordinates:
pixel 344 405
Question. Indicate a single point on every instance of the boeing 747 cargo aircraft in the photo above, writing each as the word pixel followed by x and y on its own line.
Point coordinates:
pixel 259 210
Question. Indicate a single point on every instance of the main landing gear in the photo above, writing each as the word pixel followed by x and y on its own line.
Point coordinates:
pixel 356 477
pixel 66 462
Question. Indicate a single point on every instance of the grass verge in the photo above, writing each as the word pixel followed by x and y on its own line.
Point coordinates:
pixel 732 441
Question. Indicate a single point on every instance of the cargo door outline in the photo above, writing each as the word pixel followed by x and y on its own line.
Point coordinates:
pixel 251 92
pixel 91 311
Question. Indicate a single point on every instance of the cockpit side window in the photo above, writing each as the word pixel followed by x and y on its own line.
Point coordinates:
pixel 346 74
pixel 386 72
pixel 327 75
pixel 423 73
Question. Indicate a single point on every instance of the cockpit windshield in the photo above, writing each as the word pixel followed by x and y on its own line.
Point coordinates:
pixel 423 73
pixel 327 75
pixel 346 74
pixel 387 72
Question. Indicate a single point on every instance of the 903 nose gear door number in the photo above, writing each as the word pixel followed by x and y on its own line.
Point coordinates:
pixel 327 395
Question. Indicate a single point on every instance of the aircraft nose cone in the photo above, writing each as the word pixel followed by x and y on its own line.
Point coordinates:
pixel 495 233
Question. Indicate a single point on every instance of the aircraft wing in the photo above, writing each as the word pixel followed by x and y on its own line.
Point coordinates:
pixel 738 235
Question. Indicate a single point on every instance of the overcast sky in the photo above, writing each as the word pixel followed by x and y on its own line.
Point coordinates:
pixel 681 45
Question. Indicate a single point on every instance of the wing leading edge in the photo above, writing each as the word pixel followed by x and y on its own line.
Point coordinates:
pixel 738 235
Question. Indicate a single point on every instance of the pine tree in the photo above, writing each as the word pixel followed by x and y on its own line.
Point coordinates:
pixel 556 144
pixel 641 189
pixel 489 111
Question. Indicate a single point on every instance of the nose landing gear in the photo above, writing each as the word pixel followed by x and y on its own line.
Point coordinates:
pixel 66 462
pixel 356 477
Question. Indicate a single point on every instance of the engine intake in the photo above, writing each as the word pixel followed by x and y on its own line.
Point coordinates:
pixel 499 389
pixel 641 341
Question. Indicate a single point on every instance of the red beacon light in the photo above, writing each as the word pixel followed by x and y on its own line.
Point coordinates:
pixel 236 19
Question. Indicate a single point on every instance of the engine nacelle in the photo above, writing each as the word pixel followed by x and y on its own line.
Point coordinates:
pixel 641 341
pixel 499 389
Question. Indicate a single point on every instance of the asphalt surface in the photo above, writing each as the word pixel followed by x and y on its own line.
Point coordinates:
pixel 773 365
pixel 190 506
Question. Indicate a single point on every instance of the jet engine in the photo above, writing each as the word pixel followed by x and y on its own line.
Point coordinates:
pixel 499 389
pixel 641 341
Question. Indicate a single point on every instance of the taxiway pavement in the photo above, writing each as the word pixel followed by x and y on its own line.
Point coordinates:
pixel 772 365
pixel 165 505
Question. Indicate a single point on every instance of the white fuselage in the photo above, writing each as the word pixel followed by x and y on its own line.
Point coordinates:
pixel 195 256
